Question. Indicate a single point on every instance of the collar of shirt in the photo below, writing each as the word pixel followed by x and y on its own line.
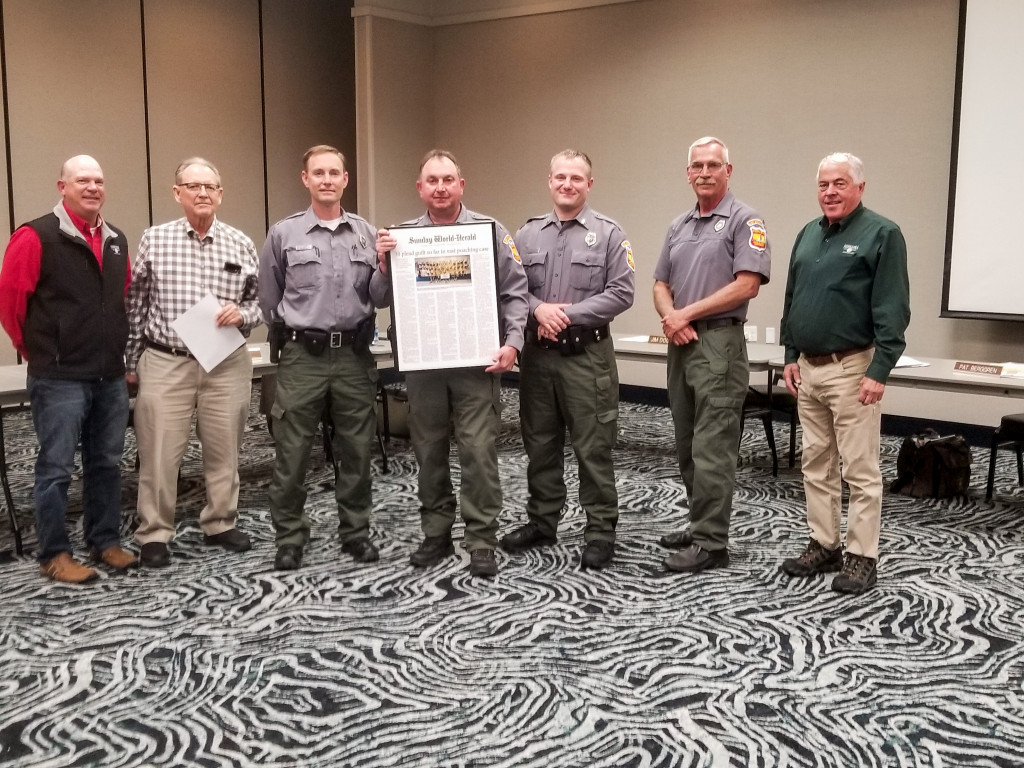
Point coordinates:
pixel 724 208
pixel 93 235
pixel 310 220
pixel 581 217
pixel 190 231
pixel 844 222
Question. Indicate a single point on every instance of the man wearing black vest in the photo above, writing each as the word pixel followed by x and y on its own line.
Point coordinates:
pixel 62 290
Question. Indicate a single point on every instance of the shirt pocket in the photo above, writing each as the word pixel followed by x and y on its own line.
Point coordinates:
pixel 535 264
pixel 304 271
pixel 586 271
pixel 364 262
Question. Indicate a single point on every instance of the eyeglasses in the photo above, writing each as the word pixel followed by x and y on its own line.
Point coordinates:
pixel 195 187
pixel 712 167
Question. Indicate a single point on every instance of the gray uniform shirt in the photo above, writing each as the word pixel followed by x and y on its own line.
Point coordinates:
pixel 312 277
pixel 511 278
pixel 703 253
pixel 586 261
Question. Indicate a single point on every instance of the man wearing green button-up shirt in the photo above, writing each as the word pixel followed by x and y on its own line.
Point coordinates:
pixel 846 311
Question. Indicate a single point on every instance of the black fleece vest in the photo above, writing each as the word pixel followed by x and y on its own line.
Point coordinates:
pixel 76 326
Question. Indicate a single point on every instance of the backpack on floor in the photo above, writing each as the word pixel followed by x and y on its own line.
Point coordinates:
pixel 934 466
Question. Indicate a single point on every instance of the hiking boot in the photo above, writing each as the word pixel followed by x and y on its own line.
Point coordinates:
pixel 677 539
pixel 64 568
pixel 695 558
pixel 432 550
pixel 361 549
pixel 597 554
pixel 525 537
pixel 815 559
pixel 858 575
pixel 116 558
pixel 482 563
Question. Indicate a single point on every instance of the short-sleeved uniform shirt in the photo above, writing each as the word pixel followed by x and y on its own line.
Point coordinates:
pixel 703 254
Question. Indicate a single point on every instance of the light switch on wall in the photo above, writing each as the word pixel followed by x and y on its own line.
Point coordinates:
pixel 769 335
pixel 750 332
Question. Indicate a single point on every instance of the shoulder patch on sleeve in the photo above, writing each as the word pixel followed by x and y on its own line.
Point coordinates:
pixel 512 247
pixel 629 255
pixel 758 234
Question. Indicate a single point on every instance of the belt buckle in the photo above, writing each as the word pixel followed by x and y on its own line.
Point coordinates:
pixel 335 339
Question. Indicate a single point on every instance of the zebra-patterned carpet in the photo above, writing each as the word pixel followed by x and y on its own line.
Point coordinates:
pixel 221 661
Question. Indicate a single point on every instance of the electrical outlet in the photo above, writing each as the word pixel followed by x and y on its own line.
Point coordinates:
pixel 750 332
pixel 769 335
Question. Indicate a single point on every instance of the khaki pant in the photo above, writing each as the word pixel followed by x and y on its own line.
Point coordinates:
pixel 837 427
pixel 171 389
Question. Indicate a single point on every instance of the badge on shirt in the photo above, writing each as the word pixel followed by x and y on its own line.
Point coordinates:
pixel 591 238
pixel 850 250
pixel 629 255
pixel 512 247
pixel 758 235
pixel 362 241
pixel 719 225
pixel 116 250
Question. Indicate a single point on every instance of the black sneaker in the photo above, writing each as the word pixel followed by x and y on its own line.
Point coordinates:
pixel 154 554
pixel 482 563
pixel 677 539
pixel 695 558
pixel 362 550
pixel 526 537
pixel 858 575
pixel 432 550
pixel 597 554
pixel 815 559
pixel 289 557
pixel 233 540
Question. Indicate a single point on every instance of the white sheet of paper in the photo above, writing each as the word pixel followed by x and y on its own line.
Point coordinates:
pixel 910 362
pixel 198 328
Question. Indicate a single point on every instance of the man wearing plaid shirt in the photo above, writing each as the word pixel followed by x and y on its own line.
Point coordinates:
pixel 178 264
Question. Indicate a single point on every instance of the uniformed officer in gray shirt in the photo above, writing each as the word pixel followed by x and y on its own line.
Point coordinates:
pixel 714 260
pixel 580 270
pixel 471 398
pixel 319 283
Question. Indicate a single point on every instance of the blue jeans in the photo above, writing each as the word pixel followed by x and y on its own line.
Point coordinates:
pixel 65 413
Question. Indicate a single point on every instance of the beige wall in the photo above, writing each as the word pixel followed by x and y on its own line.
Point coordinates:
pixel 783 83
pixel 75 84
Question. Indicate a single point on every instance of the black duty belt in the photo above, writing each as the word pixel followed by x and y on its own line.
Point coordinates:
pixel 573 339
pixel 332 339
pixel 169 350
pixel 719 322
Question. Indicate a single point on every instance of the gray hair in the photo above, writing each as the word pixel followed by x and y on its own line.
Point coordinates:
pixel 703 143
pixel 194 161
pixel 852 162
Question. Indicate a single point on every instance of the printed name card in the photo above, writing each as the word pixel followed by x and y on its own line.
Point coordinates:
pixel 657 339
pixel 986 368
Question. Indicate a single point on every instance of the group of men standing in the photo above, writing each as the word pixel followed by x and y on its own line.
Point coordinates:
pixel 90 328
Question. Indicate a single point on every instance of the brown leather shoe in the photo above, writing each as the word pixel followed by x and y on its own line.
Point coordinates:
pixel 66 569
pixel 117 558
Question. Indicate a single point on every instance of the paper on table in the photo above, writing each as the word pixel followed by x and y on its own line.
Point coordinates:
pixel 209 342
pixel 910 362
pixel 1013 370
pixel 639 339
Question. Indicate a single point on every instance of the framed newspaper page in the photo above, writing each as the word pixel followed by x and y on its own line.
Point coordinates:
pixel 444 296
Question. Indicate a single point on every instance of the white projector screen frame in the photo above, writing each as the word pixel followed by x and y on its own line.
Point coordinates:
pixel 984 270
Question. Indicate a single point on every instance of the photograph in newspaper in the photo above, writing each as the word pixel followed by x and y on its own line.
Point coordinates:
pixel 444 304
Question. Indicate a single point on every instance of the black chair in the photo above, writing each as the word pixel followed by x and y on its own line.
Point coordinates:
pixel 777 398
pixel 1009 434
pixel 755 408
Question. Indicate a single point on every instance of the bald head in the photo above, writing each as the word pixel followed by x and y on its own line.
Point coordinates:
pixel 81 187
